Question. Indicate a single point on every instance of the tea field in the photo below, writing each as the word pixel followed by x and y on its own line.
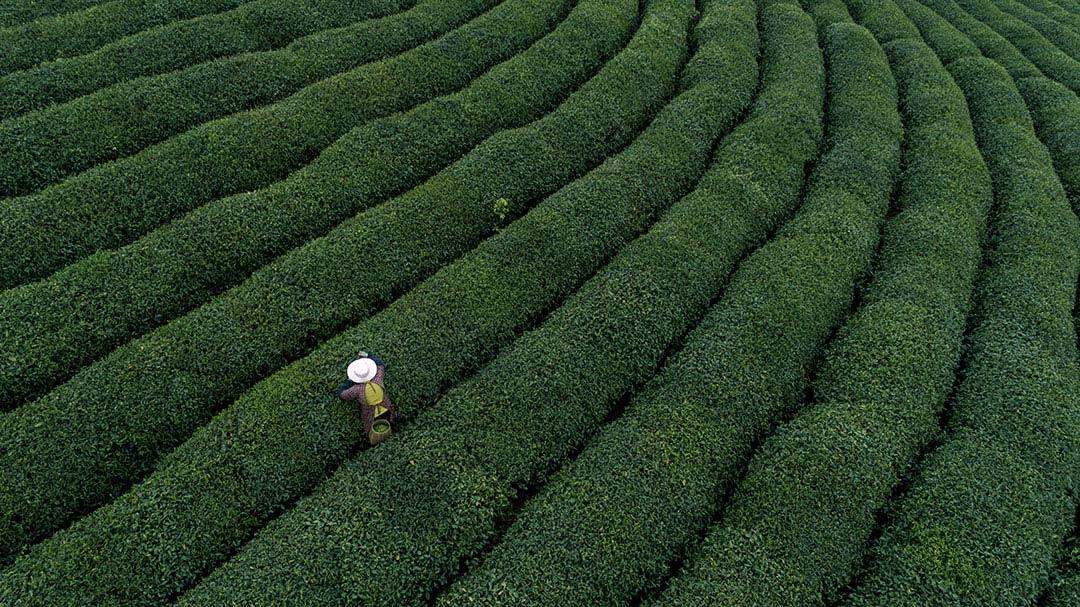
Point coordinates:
pixel 681 303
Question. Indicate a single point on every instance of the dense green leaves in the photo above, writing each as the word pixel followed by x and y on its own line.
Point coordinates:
pixel 16 12
pixel 188 34
pixel 104 428
pixel 608 525
pixel 113 296
pixel 1054 108
pixel 992 44
pixel 883 18
pixel 1058 34
pixel 421 502
pixel 1051 60
pixel 1056 113
pixel 826 13
pixel 947 42
pixel 116 202
pixel 128 116
pixel 1055 11
pixel 984 519
pixel 208 207
pixel 797 524
pixel 48 145
pixel 1065 591
pixel 818 258
pixel 43 30
pixel 290 428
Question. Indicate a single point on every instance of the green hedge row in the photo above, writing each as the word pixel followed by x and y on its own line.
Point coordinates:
pixel 608 525
pixel 50 29
pixel 1054 108
pixel 116 295
pixel 992 44
pixel 751 366
pixel 17 12
pixel 826 13
pixel 253 78
pixel 186 35
pixel 47 145
pixel 290 429
pixel 124 118
pixel 1050 59
pixel 108 425
pixel 1065 589
pixel 947 42
pixel 116 202
pixel 423 501
pixel 984 519
pixel 36 153
pixel 795 530
pixel 1058 34
pixel 1056 11
pixel 1056 112
pixel 883 18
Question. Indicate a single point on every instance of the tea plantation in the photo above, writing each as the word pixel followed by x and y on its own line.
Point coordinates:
pixel 679 302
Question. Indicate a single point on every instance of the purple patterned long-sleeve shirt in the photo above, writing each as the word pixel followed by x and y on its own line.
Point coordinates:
pixel 367 410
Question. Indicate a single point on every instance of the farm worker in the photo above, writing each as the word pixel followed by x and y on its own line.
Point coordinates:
pixel 366 384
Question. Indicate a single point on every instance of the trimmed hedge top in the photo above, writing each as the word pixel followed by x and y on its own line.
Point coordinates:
pixel 431 496
pixel 984 519
pixel 107 426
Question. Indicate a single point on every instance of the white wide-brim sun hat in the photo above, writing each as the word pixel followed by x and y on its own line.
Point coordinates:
pixel 362 370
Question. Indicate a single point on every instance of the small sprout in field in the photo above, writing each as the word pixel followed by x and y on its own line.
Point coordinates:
pixel 501 208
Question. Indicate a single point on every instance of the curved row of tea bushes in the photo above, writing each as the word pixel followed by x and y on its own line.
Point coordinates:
pixel 1054 108
pixel 128 116
pixel 985 517
pixel 187 35
pixel 118 295
pixel 1056 113
pixel 69 436
pixel 1056 12
pixel 1051 60
pixel 989 42
pixel 290 429
pixel 1071 7
pixel 84 25
pixel 116 202
pixel 17 12
pixel 826 13
pixel 1058 34
pixel 428 498
pixel 949 44
pixel 1065 590
pixel 610 523
pixel 883 18
pixel 36 154
pixel 45 146
pixel 797 525
pixel 114 296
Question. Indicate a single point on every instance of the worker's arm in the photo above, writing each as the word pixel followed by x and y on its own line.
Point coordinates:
pixel 351 391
